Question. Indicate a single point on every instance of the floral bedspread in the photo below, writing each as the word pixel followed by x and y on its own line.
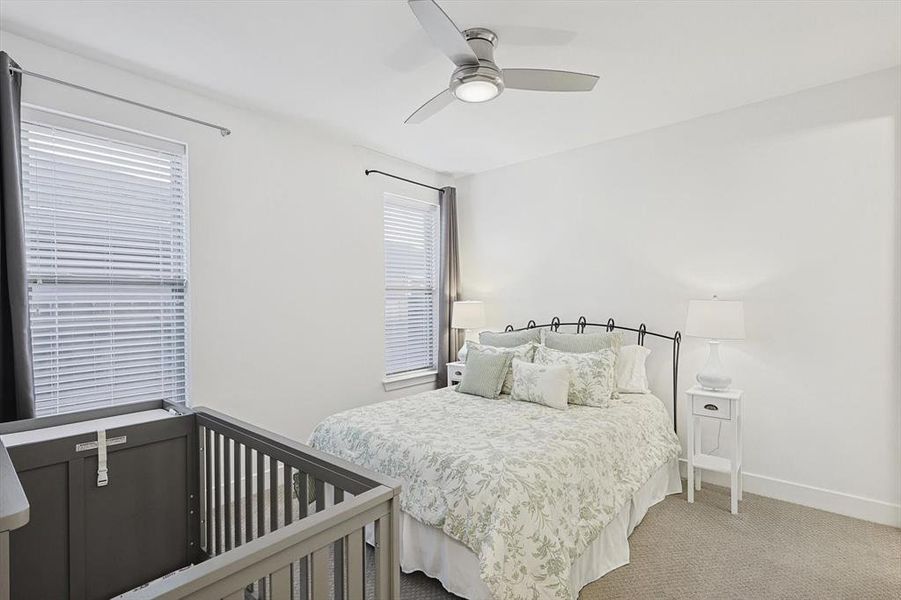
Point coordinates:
pixel 526 487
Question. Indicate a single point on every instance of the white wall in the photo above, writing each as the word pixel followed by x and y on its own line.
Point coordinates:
pixel 286 273
pixel 790 204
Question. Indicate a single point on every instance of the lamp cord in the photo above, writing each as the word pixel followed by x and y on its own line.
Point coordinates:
pixel 719 431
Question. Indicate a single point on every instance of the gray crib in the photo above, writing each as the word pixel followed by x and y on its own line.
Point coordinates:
pixel 155 500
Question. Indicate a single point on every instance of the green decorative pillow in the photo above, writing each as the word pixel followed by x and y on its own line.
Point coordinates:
pixel 592 374
pixel 583 342
pixel 509 339
pixel 526 353
pixel 485 373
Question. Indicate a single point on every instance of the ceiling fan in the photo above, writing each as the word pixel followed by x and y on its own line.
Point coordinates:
pixel 477 78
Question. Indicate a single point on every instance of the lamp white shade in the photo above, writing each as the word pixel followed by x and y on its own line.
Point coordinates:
pixel 716 319
pixel 468 314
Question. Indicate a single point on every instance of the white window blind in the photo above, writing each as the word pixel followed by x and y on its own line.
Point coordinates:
pixel 411 285
pixel 106 239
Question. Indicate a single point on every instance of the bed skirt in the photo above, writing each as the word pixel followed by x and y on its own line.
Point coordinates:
pixel 428 549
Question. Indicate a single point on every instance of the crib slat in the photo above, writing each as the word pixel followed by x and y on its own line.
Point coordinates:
pixel 261 507
pixel 393 541
pixel 201 485
pixel 273 494
pixel 215 492
pixel 236 458
pixel 303 502
pixel 319 570
pixel 208 453
pixel 303 499
pixel 281 584
pixel 338 497
pixel 248 493
pixel 205 484
pixel 287 495
pixel 320 494
pixel 221 523
pixel 288 499
pixel 356 571
pixel 302 581
pixel 227 494
pixel 382 557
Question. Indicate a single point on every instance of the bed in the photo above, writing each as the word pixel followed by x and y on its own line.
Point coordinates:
pixel 508 499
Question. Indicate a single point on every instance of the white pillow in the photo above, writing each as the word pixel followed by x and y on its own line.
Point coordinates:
pixel 631 374
pixel 541 384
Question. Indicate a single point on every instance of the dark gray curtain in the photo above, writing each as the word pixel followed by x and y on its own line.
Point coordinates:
pixel 449 339
pixel 16 378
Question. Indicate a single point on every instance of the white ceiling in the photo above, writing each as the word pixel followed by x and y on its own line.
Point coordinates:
pixel 362 67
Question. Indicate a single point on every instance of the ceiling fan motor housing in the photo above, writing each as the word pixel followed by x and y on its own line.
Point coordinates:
pixel 484 75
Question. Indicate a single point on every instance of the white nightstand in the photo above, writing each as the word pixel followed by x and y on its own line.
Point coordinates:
pixel 725 407
pixel 455 372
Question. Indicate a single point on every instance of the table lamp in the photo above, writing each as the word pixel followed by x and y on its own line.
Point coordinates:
pixel 468 315
pixel 715 320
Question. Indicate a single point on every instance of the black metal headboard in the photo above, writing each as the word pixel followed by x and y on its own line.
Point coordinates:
pixel 610 325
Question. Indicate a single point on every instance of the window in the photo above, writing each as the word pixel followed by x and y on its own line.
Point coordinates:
pixel 107 264
pixel 411 285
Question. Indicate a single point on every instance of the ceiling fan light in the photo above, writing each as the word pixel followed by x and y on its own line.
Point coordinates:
pixel 476 91
pixel 477 83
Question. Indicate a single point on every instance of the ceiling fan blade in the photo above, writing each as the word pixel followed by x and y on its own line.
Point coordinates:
pixel 430 108
pixel 548 80
pixel 443 32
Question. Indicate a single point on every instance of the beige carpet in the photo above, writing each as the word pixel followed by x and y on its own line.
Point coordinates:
pixel 770 550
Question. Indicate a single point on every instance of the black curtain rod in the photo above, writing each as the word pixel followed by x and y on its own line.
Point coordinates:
pixel 425 185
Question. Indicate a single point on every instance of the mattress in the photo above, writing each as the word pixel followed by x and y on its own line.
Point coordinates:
pixel 526 488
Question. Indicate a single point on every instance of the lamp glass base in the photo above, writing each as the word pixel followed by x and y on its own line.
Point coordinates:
pixel 713 377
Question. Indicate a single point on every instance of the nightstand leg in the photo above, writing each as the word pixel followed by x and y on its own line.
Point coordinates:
pixel 690 471
pixel 736 456
pixel 697 430
pixel 741 464
pixel 734 491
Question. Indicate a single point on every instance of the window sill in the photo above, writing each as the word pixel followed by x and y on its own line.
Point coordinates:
pixel 405 380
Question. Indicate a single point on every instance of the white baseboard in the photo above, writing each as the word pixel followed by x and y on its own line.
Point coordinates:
pixel 849 505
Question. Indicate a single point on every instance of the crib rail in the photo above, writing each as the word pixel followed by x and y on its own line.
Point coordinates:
pixel 14 509
pixel 280 520
pixel 227 575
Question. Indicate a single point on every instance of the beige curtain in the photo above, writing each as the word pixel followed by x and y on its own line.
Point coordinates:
pixel 449 340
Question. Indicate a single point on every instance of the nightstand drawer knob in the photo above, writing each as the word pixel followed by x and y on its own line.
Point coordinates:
pixel 711 407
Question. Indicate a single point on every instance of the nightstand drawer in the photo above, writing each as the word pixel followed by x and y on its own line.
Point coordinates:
pixel 455 372
pixel 718 408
